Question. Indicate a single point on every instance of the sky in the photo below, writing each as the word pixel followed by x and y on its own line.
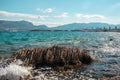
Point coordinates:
pixel 59 12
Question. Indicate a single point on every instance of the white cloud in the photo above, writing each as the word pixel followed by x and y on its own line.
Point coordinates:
pixel 78 15
pixel 56 20
pixel 86 16
pixel 5 13
pixel 63 15
pixel 11 14
pixel 42 17
pixel 94 18
pixel 48 10
pixel 50 24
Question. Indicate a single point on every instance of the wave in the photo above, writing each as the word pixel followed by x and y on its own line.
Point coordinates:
pixel 13 71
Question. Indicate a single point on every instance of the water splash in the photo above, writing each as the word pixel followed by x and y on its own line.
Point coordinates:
pixel 13 71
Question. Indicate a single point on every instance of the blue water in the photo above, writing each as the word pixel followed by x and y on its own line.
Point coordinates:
pixel 103 46
pixel 15 40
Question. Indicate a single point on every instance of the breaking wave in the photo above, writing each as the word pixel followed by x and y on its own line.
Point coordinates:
pixel 13 71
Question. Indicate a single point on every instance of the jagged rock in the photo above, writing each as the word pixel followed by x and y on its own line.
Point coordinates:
pixel 52 56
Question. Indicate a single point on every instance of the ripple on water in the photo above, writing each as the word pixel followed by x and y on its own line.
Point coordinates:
pixel 105 47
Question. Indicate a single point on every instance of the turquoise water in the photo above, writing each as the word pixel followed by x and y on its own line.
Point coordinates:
pixel 103 46
pixel 10 41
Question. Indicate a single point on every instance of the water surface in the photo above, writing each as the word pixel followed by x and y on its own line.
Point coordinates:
pixel 103 46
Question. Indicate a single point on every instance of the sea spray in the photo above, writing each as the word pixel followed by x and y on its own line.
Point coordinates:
pixel 14 72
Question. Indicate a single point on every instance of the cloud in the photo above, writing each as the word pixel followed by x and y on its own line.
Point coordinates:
pixel 50 23
pixel 48 10
pixel 92 18
pixel 86 16
pixel 5 13
pixel 63 15
pixel 11 14
pixel 56 20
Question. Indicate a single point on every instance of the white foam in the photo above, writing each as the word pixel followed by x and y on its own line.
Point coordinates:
pixel 13 72
pixel 109 49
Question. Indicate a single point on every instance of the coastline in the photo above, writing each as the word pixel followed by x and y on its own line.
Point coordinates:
pixel 86 30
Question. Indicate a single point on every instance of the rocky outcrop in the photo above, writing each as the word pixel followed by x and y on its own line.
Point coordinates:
pixel 52 56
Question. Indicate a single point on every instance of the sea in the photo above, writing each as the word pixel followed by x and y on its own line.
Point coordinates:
pixel 104 47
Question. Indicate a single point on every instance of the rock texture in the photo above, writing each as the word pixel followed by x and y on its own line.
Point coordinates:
pixel 116 77
pixel 52 56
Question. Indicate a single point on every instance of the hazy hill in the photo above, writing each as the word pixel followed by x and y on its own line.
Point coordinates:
pixel 80 26
pixel 42 27
pixel 26 26
pixel 19 26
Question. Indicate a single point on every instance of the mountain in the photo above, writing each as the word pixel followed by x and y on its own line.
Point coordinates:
pixel 27 26
pixel 42 27
pixel 80 26
pixel 19 26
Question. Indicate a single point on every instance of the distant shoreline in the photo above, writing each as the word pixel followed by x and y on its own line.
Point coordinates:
pixel 86 30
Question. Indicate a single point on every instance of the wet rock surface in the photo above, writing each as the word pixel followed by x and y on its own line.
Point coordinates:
pixel 54 56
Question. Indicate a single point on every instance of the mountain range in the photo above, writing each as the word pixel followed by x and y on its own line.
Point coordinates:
pixel 19 26
pixel 26 26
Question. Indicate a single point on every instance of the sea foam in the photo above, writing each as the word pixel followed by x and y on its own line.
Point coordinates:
pixel 13 71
